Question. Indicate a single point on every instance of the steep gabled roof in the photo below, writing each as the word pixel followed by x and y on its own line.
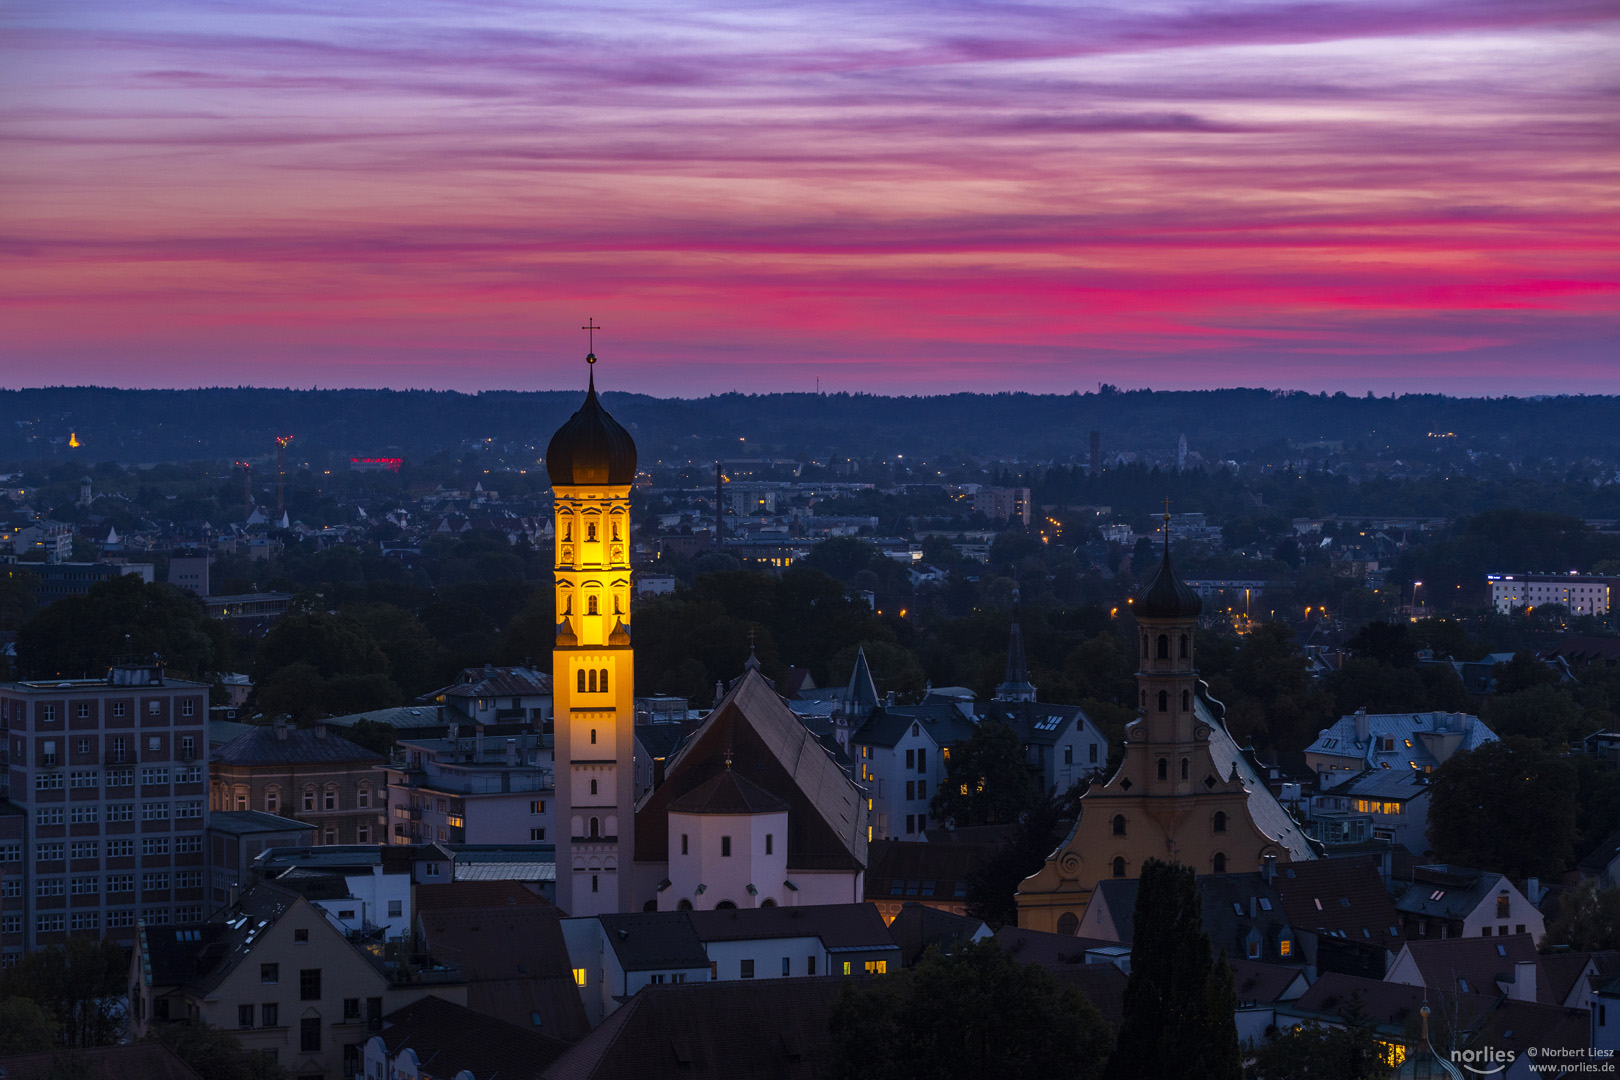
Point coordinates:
pixel 1471 965
pixel 451 1038
pixel 728 793
pixel 731 1030
pixel 860 695
pixel 887 725
pixel 1340 897
pixel 770 747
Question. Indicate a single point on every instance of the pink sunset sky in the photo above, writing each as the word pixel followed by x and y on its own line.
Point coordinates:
pixel 903 197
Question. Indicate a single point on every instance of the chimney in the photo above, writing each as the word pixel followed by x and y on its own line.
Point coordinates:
pixel 1268 868
pixel 1524 981
pixel 320 731
pixel 1363 727
pixel 889 699
pixel 280 724
pixel 511 752
pixel 658 772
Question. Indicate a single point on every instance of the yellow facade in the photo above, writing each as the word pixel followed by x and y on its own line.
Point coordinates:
pixel 1169 799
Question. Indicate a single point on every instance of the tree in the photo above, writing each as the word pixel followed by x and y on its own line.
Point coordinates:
pixel 1316 1051
pixel 216 1054
pixel 992 887
pixel 1507 806
pixel 1588 919
pixel 316 664
pixel 25 1027
pixel 972 1014
pixel 986 780
pixel 1546 713
pixel 1392 643
pixel 1179 1001
pixel 80 984
pixel 81 635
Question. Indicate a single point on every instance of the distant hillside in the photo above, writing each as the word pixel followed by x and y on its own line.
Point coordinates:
pixel 331 425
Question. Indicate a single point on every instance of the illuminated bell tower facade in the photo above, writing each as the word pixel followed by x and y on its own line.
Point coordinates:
pixel 592 464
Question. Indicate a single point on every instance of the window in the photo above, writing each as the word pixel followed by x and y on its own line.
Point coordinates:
pixel 49 852
pixel 329 799
pixel 154 743
pixel 351 1008
pixel 922 759
pixel 922 789
pixel 1164 769
pixel 309 1035
pixel 47 713
pixel 581 681
pixel 120 777
pixel 593 736
pixel 537 806
pixel 309 798
pixel 725 847
pixel 309 984
pixel 155 811
pixel 362 797
pixel 1068 755
pixel 48 887
pixel 124 917
pixel 1164 701
pixel 1119 866
pixel 1119 824
pixel 83 746
pixel 911 789
pixel 593 787
pixel 187 707
pixel 847 966
pixel 154 708
pixel 595 883
pixel 270 1014
pixel 120 883
pixel 156 882
pixel 604 686
pixel 877 967
pixel 301 936
pixel 269 974
pixel 272 800
pixel 911 759
pixel 685 849
pixel 770 841
pixel 1184 646
pixel 537 835
pixel 189 808
pixel 747 969
pixel 1220 821
pixel 188 879
pixel 596 828
pixel 787 967
pixel 121 811
pixel 911 824
pixel 244 1016
pixel 85 886
pixel 48 781
pixel 188 845
pixel 84 710
pixel 1285 947
pixel 1186 701
pixel 1502 906
pixel 1184 768
pixel 1219 862
pixel 84 815
pixel 118 710
pixel 810 965
pixel 579 976
pixel 83 778
pixel 48 924
pixel 396 909
pixel 155 845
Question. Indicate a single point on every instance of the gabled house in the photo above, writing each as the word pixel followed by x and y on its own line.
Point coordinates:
pixel 1470 966
pixel 1458 901
pixel 1061 745
pixel 1387 805
pixel 274 971
pixel 1243 914
pixel 900 757
pixel 1343 914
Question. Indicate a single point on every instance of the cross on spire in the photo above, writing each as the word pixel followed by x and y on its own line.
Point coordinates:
pixel 590 328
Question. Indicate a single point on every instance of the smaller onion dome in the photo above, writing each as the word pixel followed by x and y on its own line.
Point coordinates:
pixel 1167 596
pixel 592 448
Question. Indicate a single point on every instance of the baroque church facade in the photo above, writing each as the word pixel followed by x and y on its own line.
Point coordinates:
pixel 1184 792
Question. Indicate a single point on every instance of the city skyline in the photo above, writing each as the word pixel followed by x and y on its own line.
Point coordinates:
pixel 886 198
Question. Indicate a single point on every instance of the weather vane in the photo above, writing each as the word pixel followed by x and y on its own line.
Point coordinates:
pixel 590 328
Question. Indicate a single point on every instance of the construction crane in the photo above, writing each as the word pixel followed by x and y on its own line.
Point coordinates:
pixel 247 486
pixel 281 472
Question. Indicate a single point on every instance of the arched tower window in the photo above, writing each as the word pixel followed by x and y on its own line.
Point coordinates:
pixel 581 689
pixel 1164 646
pixel 615 528
pixel 1220 821
pixel 1119 824
pixel 1164 701
pixel 684 905
pixel 593 787
pixel 592 686
pixel 1144 646
pixel 1119 866
pixel 596 828
pixel 1219 862
pixel 593 736
pixel 590 605
pixel 1184 768
pixel 1144 699
pixel 1186 648
pixel 602 686
pixel 1164 769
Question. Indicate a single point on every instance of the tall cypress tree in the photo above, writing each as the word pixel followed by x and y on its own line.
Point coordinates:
pixel 1179 1000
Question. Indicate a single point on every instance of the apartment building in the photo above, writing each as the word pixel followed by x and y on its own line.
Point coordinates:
pixel 1582 595
pixel 103 803
pixel 472 790
pixel 309 774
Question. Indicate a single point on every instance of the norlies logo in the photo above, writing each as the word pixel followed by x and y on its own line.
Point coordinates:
pixel 1485 1061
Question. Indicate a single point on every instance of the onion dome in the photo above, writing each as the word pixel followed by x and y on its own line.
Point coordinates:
pixel 592 448
pixel 1167 596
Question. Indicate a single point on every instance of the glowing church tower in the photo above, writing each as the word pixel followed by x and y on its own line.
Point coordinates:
pixel 592 463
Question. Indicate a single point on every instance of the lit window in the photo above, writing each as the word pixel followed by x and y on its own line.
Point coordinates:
pixel 579 976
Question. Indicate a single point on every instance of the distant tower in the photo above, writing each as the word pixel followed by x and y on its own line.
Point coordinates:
pixel 1015 686
pixel 1181 454
pixel 857 702
pixel 592 463
pixel 84 491
pixel 281 471
pixel 1096 453
pixel 247 486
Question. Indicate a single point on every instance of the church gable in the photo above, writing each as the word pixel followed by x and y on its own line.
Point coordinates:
pixel 770 747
